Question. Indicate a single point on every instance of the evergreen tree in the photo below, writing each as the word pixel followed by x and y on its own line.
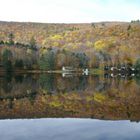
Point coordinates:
pixel 7 60
pixel 47 61
pixel 11 39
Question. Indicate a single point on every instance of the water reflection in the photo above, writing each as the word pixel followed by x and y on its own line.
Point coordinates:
pixel 49 95
pixel 57 83
pixel 17 85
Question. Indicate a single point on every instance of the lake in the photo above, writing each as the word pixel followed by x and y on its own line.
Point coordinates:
pixel 72 107
pixel 68 129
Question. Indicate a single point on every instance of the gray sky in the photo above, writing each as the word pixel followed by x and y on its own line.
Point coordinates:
pixel 69 11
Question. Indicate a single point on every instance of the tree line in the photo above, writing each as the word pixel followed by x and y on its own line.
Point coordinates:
pixel 99 54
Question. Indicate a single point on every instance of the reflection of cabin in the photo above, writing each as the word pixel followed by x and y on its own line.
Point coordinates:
pixel 67 75
pixel 70 70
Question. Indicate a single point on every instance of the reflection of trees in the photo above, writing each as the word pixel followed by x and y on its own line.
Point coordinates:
pixel 120 85
pixel 53 83
pixel 19 78
pixel 116 99
pixel 18 85
pixel 59 84
pixel 32 97
pixel 10 105
pixel 47 82
pixel 7 82
pixel 138 81
pixel 56 83
pixel 99 85
pixel 83 83
pixel 137 78
pixel 75 83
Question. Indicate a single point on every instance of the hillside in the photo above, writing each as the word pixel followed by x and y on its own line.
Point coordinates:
pixel 105 43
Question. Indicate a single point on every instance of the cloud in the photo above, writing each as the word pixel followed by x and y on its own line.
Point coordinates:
pixel 69 11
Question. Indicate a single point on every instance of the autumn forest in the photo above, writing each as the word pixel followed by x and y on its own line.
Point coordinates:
pixel 40 46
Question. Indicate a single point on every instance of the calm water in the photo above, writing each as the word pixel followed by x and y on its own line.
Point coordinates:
pixel 92 107
pixel 68 129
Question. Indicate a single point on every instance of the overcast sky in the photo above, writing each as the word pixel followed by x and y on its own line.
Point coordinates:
pixel 69 11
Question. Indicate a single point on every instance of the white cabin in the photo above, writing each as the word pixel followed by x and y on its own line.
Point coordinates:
pixel 85 71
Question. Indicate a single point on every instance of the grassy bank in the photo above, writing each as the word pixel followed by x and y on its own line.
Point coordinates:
pixel 96 71
pixel 21 71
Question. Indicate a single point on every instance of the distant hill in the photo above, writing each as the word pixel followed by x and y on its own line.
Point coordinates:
pixel 23 31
